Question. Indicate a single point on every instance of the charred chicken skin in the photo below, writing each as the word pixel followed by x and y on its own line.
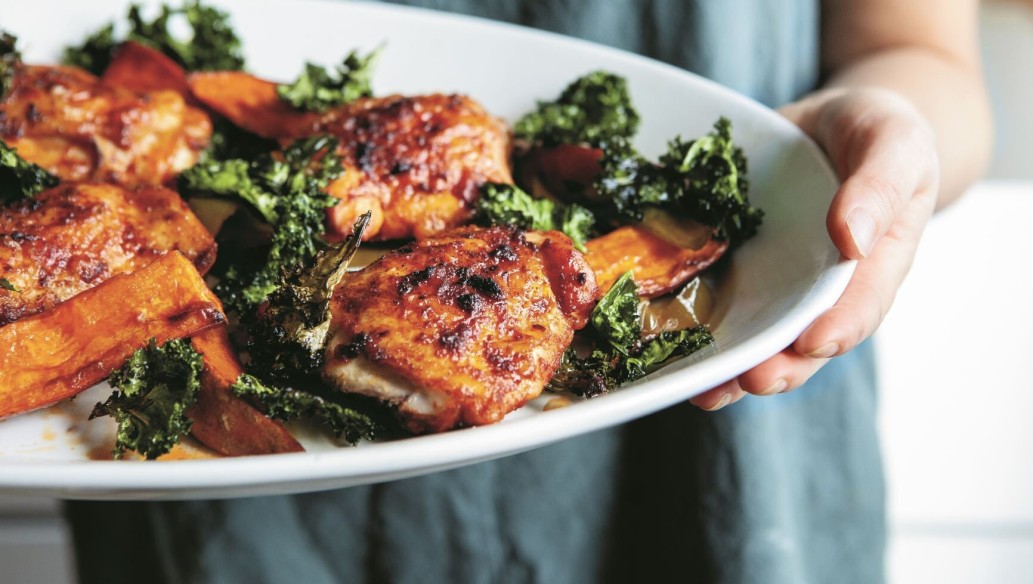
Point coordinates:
pixel 69 122
pixel 75 236
pixel 461 328
pixel 416 162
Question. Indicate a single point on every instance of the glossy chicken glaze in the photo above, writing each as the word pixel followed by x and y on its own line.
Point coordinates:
pixel 459 329
pixel 69 122
pixel 75 236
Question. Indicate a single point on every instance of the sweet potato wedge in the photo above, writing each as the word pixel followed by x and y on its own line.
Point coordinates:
pixel 77 235
pixel 140 68
pixel 249 102
pixel 56 354
pixel 659 266
pixel 222 421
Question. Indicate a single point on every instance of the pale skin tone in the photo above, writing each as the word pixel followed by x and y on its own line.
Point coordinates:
pixel 905 121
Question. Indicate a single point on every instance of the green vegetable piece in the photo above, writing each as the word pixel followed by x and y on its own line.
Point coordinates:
pixel 704 179
pixel 505 204
pixel 20 179
pixel 288 342
pixel 285 404
pixel 287 192
pixel 665 346
pixel 317 89
pixel 153 391
pixel 229 179
pixel 211 44
pixel 716 191
pixel 9 60
pixel 616 317
pixel 96 52
pixel 591 110
pixel 620 355
pixel 7 285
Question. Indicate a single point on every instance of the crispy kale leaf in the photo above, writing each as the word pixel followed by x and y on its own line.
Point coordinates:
pixel 288 404
pixel 287 343
pixel 153 391
pixel 287 192
pixel 317 89
pixel 9 60
pixel 593 109
pixel 230 141
pixel 504 204
pixel 619 354
pixel 704 179
pixel 20 179
pixel 94 55
pixel 211 44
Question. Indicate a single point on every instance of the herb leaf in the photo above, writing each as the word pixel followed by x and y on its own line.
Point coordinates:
pixel 591 110
pixel 317 89
pixel 20 179
pixel 211 45
pixel 153 391
pixel 288 193
pixel 505 204
pixel 287 404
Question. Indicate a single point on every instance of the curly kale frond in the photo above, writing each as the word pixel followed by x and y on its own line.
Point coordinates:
pixel 20 179
pixel 230 141
pixel 10 57
pixel 505 204
pixel 617 318
pixel 318 89
pixel 288 192
pixel 715 190
pixel 619 354
pixel 591 110
pixel 287 343
pixel 703 179
pixel 153 391
pixel 211 45
pixel 286 404
pixel 96 52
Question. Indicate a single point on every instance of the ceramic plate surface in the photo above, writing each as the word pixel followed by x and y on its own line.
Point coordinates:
pixel 777 283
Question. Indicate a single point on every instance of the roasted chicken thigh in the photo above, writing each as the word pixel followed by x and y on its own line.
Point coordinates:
pixel 416 162
pixel 461 328
pixel 69 122
pixel 75 236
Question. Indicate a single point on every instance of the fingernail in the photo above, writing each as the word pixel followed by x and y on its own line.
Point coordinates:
pixel 725 400
pixel 825 351
pixel 862 230
pixel 777 387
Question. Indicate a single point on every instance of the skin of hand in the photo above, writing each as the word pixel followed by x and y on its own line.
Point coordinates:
pixel 905 123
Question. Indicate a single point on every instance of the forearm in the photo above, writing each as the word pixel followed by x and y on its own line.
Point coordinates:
pixel 950 94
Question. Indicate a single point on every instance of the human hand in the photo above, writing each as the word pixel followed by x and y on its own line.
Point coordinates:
pixel 885 155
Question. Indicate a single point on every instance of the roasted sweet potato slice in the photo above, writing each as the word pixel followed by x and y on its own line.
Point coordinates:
pixel 140 68
pixel 561 170
pixel 73 237
pixel 659 266
pixel 222 421
pixel 56 354
pixel 249 102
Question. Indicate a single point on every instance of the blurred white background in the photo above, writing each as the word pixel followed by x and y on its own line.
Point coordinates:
pixel 956 405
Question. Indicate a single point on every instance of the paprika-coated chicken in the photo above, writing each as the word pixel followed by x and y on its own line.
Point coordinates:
pixel 75 236
pixel 461 328
pixel 416 162
pixel 69 122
